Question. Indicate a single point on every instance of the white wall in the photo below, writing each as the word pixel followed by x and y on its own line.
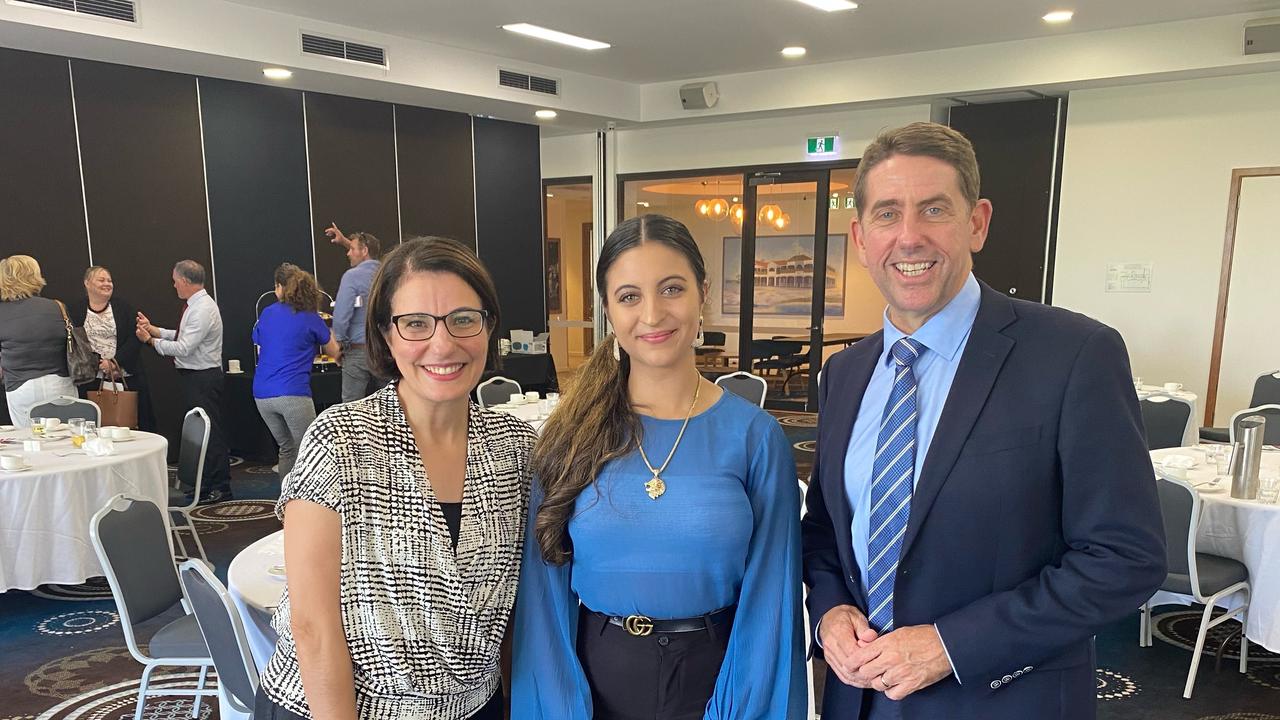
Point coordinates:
pixel 1146 174
pixel 568 155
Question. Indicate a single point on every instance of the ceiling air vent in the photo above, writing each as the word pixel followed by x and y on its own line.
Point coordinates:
pixel 124 10
pixel 343 50
pixel 525 81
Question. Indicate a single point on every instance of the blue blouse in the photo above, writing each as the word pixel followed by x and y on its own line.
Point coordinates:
pixel 287 342
pixel 727 531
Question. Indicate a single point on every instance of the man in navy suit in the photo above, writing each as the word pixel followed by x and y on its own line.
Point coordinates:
pixel 982 500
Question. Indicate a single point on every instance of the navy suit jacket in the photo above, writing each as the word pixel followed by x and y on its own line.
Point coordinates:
pixel 1035 520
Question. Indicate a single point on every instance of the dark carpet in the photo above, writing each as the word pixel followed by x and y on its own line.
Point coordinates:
pixel 63 656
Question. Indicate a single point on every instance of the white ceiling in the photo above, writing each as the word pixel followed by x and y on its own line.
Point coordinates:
pixel 664 40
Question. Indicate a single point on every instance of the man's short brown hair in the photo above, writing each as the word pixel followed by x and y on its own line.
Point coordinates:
pixel 926 139
pixel 370 241
pixel 423 254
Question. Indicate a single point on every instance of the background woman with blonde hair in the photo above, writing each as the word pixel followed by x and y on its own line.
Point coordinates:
pixel 33 340
pixel 661 579
pixel 287 335
pixel 110 323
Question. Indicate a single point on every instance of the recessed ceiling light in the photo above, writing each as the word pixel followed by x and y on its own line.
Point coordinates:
pixel 793 52
pixel 545 114
pixel 555 36
pixel 1059 16
pixel 831 5
pixel 274 73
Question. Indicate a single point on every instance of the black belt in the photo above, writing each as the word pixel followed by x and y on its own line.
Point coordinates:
pixel 642 625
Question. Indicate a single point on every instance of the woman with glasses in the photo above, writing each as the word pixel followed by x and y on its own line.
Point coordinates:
pixel 404 515
pixel 287 334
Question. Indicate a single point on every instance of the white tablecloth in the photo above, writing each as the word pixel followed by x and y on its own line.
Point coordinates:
pixel 1248 531
pixel 256 592
pixel 45 511
pixel 528 413
pixel 1192 434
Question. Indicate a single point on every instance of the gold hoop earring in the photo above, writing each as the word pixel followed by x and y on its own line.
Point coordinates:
pixel 617 354
pixel 700 339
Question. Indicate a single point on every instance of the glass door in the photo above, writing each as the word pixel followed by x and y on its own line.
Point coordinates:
pixel 784 283
pixel 567 256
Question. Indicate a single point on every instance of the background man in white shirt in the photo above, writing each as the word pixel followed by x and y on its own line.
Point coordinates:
pixel 196 349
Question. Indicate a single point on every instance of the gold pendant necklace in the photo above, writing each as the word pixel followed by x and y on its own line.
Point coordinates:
pixel 656 487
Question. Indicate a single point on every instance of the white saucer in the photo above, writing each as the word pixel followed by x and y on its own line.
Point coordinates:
pixel 24 468
pixel 131 438
pixel 1208 489
pixel 8 428
pixel 276 571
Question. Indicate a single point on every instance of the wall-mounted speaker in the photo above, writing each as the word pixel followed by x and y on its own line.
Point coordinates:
pixel 699 96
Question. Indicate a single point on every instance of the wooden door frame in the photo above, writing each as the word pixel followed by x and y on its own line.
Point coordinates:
pixel 1224 281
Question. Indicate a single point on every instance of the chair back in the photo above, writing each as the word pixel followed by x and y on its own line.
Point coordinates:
pixel 1266 390
pixel 1180 509
pixel 1165 419
pixel 68 408
pixel 192 447
pixel 745 385
pixel 223 630
pixel 1271 434
pixel 131 540
pixel 496 390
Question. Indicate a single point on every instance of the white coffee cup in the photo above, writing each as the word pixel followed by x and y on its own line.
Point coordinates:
pixel 32 445
pixel 120 433
pixel 233 366
pixel 516 399
pixel 51 424
pixel 1172 387
pixel 12 461
pixel 531 396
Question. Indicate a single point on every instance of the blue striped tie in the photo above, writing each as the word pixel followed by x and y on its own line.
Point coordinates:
pixel 892 481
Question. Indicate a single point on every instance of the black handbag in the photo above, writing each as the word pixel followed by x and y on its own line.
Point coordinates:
pixel 82 361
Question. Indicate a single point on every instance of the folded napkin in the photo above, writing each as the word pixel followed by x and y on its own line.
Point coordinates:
pixel 1184 462
pixel 99 447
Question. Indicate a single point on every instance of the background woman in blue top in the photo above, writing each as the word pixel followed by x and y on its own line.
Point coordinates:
pixel 287 335
pixel 669 598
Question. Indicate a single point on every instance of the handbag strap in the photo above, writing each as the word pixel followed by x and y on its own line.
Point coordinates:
pixel 66 321
pixel 117 369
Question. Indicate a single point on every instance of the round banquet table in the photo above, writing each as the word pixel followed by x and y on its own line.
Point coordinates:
pixel 1244 530
pixel 45 510
pixel 256 592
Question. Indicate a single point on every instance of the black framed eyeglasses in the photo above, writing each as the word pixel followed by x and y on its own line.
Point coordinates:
pixel 461 323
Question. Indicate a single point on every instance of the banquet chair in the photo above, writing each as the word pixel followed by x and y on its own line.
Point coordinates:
pixel 192 447
pixel 496 390
pixel 1271 434
pixel 1166 420
pixel 132 544
pixel 746 385
pixel 223 631
pixel 1266 391
pixel 1207 578
pixel 781 356
pixel 68 408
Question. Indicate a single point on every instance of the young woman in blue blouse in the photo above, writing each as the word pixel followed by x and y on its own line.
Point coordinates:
pixel 287 335
pixel 661 574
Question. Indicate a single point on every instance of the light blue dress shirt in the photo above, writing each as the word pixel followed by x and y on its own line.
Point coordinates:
pixel 727 532
pixel 349 305
pixel 944 337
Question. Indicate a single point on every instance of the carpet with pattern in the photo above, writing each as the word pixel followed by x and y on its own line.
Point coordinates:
pixel 63 656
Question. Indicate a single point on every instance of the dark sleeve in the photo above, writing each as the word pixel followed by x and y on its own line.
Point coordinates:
pixel 1111 523
pixel 127 344
pixel 822 572
pixel 76 310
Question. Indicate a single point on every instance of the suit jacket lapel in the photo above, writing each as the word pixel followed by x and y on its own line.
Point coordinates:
pixel 980 364
pixel 844 397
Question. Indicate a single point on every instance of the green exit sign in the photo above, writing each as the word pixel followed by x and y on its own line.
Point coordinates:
pixel 825 145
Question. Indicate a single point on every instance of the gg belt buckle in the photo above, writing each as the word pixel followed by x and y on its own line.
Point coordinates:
pixel 638 625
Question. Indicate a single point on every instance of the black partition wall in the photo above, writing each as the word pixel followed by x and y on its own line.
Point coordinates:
pixel 136 169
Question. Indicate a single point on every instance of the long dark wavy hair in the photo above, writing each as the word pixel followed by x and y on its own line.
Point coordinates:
pixel 595 422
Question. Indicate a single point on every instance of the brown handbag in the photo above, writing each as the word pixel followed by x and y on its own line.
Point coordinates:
pixel 119 407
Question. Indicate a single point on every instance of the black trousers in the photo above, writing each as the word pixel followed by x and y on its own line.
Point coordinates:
pixel 203 389
pixel 663 676
pixel 264 708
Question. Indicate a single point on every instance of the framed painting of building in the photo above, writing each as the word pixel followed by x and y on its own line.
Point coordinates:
pixel 552 259
pixel 784 275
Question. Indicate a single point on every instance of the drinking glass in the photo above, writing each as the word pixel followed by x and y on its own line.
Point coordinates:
pixel 37 426
pixel 77 431
pixel 1268 484
pixel 90 429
